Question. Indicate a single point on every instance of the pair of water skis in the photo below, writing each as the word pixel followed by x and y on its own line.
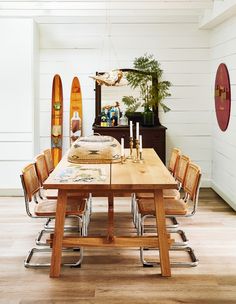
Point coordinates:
pixel 57 116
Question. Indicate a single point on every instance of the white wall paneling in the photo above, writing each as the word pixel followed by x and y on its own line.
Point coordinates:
pixel 223 46
pixel 16 99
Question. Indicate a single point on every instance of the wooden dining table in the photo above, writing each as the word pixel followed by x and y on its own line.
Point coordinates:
pixel 112 180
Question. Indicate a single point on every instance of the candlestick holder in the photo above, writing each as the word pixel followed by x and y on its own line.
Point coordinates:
pixel 131 144
pixel 137 158
pixel 123 159
pixel 141 155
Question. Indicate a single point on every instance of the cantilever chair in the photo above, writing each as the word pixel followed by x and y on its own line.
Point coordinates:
pixel 45 208
pixel 175 208
pixel 177 171
pixel 180 173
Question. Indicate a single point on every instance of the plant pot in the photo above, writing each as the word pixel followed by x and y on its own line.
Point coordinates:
pixel 134 117
pixel 148 119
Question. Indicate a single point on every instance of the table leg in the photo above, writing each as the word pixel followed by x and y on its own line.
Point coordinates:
pixel 162 234
pixel 58 234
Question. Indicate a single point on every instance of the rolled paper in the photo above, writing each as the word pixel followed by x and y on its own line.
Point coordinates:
pixel 131 128
pixel 137 130
pixel 140 143
pixel 122 147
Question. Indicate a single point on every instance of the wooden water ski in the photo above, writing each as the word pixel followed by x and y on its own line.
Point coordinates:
pixel 75 110
pixel 56 119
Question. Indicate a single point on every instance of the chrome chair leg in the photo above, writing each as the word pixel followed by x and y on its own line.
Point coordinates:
pixel 134 210
pixel 176 246
pixel 28 264
pixel 90 201
pixel 183 243
pixel 83 226
pixel 193 263
pixel 40 235
pixel 175 223
pixel 47 226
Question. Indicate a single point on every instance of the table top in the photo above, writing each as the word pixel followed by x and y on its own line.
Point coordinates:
pixel 149 174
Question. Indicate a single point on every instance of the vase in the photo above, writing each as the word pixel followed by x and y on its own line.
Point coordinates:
pixel 134 117
pixel 148 119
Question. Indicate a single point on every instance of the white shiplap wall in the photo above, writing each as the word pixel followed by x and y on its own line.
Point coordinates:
pixel 16 100
pixel 223 44
pixel 183 50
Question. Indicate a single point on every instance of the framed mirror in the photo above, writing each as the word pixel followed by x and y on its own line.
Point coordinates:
pixel 109 95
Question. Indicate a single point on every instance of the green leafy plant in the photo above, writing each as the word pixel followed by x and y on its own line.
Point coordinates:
pixel 131 103
pixel 147 75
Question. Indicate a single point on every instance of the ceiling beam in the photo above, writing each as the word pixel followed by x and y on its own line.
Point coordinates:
pixel 222 11
pixel 103 8
pixel 101 5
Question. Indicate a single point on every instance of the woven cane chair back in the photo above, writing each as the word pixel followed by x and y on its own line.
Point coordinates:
pixel 191 181
pixel 181 169
pixel 175 154
pixel 31 181
pixel 41 168
pixel 49 161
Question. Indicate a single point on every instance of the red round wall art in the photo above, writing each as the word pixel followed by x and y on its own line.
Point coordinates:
pixel 222 96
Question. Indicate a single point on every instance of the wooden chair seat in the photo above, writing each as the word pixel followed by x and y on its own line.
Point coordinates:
pixel 51 193
pixel 172 207
pixel 175 207
pixel 171 194
pixel 167 193
pixel 47 208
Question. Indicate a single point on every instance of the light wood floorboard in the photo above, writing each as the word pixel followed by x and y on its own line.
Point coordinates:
pixel 116 275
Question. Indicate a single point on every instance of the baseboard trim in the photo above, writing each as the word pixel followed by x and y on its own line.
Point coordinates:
pixel 206 183
pixel 11 192
pixel 231 200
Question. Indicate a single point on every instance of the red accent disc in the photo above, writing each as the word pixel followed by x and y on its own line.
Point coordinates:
pixel 222 96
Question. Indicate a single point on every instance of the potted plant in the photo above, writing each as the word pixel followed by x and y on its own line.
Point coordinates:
pixel 147 76
pixel 132 105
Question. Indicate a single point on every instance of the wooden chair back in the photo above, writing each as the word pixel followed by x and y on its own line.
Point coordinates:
pixel 30 181
pixel 41 168
pixel 174 158
pixel 49 161
pixel 181 169
pixel 192 180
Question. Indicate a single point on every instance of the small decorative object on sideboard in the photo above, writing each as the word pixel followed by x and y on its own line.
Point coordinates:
pixel 109 116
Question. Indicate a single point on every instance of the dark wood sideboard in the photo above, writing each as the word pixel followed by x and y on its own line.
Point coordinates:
pixel 153 137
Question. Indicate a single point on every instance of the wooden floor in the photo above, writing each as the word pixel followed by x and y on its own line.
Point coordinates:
pixel 116 276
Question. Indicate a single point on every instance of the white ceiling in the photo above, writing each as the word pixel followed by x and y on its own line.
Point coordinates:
pixel 45 9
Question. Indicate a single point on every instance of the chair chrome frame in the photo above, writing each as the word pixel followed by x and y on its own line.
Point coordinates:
pixel 29 264
pixel 83 229
pixel 176 246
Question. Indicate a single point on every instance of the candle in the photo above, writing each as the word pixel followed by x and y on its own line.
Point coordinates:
pixel 131 128
pixel 137 130
pixel 140 143
pixel 122 147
